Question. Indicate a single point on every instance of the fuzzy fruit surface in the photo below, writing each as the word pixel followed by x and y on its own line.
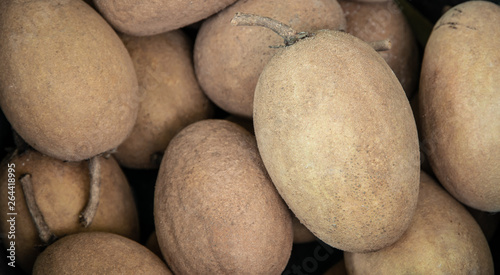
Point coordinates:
pixel 338 138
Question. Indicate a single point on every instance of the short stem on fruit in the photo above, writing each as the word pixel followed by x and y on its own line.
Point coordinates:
pixel 289 35
pixel 88 214
pixel 44 232
pixel 381 45
pixel 108 153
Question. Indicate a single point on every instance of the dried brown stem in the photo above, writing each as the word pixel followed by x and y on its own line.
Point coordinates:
pixel 381 45
pixel 289 35
pixel 88 214
pixel 44 232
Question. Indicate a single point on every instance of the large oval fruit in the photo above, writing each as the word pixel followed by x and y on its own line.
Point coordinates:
pixel 67 85
pixel 171 98
pixel 443 238
pixel 157 16
pixel 337 136
pixel 216 210
pixel 459 101
pixel 61 190
pixel 98 253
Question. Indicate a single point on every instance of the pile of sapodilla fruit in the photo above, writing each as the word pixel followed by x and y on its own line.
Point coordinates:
pixel 321 140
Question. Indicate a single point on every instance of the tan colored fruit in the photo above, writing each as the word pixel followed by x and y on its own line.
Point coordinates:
pixel 216 210
pixel 443 238
pixel 228 59
pixel 98 253
pixel 337 136
pixel 157 16
pixel 459 101
pixel 171 98
pixel 61 192
pixel 68 86
pixel 379 20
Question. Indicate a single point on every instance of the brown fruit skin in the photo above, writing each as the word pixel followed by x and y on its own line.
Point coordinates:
pixel 458 100
pixel 228 59
pixel 157 16
pixel 380 20
pixel 337 136
pixel 98 253
pixel 61 192
pixel 68 86
pixel 443 238
pixel 216 210
pixel 171 98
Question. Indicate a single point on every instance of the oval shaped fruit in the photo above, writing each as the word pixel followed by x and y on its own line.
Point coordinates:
pixel 98 253
pixel 337 136
pixel 68 85
pixel 459 101
pixel 443 238
pixel 381 20
pixel 228 59
pixel 216 210
pixel 154 17
pixel 61 190
pixel 171 98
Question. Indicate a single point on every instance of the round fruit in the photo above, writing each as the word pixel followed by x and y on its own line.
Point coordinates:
pixel 459 101
pixel 337 136
pixel 216 210
pixel 154 17
pixel 171 98
pixel 443 238
pixel 98 253
pixel 61 190
pixel 68 85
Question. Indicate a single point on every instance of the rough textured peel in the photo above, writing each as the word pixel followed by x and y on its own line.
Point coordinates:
pixel 337 136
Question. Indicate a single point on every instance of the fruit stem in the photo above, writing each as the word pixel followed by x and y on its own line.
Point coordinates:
pixel 289 35
pixel 88 214
pixel 44 232
pixel 381 45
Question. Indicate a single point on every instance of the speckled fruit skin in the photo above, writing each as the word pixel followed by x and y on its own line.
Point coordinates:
pixel 157 16
pixel 61 192
pixel 338 138
pixel 98 253
pixel 228 59
pixel 68 85
pixel 459 101
pixel 170 95
pixel 379 20
pixel 443 238
pixel 216 210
